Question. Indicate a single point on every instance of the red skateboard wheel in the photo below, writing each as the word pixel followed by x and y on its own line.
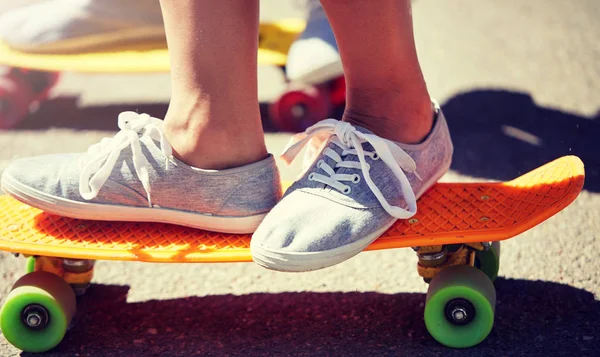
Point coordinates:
pixel 338 91
pixel 19 89
pixel 41 82
pixel 15 98
pixel 300 107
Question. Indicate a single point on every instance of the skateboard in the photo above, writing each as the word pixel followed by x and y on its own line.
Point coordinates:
pixel 455 234
pixel 27 78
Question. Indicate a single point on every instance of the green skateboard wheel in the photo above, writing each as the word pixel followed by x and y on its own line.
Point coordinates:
pixel 488 261
pixel 459 311
pixel 37 312
pixel 30 265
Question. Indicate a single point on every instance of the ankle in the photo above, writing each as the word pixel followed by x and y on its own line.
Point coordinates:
pixel 401 116
pixel 214 145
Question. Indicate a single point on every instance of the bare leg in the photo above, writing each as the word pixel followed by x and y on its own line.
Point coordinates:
pixel 386 92
pixel 213 121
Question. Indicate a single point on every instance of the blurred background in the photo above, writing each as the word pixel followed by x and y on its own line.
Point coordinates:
pixel 519 82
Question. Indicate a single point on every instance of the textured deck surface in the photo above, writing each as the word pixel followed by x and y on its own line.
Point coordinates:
pixel 447 213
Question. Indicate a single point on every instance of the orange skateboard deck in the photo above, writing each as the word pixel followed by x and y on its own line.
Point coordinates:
pixel 449 213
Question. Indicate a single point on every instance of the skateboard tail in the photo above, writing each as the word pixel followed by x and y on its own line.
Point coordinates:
pixel 566 176
pixel 491 211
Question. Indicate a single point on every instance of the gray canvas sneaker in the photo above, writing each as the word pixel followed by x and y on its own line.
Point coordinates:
pixel 357 187
pixel 133 176
pixel 79 25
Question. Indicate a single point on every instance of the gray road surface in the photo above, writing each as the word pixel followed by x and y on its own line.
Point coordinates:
pixel 520 84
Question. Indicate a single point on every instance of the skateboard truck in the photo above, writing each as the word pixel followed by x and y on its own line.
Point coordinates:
pixel 78 273
pixel 435 258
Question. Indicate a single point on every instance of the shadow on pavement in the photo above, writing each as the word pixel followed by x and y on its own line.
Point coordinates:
pixel 501 134
pixel 64 112
pixel 533 318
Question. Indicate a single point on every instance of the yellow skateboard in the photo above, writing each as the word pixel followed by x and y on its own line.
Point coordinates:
pixel 28 77
pixel 455 234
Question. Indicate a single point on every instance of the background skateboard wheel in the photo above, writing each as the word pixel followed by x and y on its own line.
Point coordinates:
pixel 37 312
pixel 338 91
pixel 488 261
pixel 20 91
pixel 41 83
pixel 16 96
pixel 300 107
pixel 459 311
pixel 30 265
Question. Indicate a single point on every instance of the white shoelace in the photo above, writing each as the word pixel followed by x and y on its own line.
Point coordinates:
pixel 351 140
pixel 100 159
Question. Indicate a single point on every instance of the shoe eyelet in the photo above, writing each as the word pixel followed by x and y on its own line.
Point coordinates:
pixel 346 190
pixel 319 163
pixel 375 157
pixel 311 177
pixel 356 178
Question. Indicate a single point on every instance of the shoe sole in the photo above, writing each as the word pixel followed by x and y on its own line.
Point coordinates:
pixel 308 261
pixel 107 212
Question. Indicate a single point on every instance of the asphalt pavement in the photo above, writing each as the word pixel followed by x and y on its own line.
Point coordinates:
pixel 519 82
